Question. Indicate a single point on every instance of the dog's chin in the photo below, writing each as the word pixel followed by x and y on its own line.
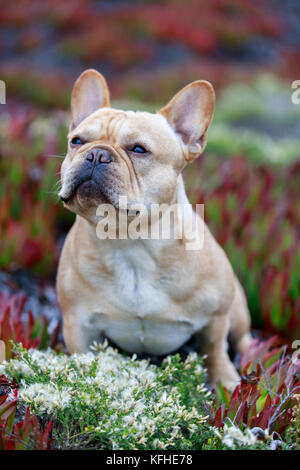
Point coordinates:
pixel 86 195
pixel 89 191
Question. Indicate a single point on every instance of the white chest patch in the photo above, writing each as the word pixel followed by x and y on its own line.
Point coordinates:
pixel 137 283
pixel 144 318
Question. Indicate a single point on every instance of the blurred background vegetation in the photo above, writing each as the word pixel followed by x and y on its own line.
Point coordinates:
pixel 249 175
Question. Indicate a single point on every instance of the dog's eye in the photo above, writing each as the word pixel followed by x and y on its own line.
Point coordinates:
pixel 138 149
pixel 76 141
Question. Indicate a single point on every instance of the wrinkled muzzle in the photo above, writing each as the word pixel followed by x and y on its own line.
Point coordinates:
pixel 90 177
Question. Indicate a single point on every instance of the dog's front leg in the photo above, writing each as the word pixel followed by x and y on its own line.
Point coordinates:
pixel 213 344
pixel 79 335
pixel 75 339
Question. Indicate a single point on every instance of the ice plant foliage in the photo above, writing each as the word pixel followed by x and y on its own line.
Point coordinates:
pixel 255 215
pixel 23 328
pixel 28 213
pixel 25 434
pixel 132 37
pixel 125 34
pixel 265 398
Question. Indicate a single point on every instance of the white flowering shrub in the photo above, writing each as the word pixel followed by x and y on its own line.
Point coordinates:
pixel 106 400
pixel 233 437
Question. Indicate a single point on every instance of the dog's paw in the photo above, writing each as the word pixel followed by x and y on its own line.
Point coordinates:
pixel 228 376
pixel 244 343
pixel 231 383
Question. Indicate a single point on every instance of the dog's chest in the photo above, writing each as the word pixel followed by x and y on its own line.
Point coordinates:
pixel 146 311
pixel 139 285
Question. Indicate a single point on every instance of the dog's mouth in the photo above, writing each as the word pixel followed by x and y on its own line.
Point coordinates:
pixel 74 188
pixel 67 199
pixel 87 188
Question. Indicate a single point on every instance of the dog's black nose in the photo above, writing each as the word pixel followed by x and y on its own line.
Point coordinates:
pixel 99 156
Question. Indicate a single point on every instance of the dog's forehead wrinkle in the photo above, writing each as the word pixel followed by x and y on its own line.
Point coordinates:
pixel 101 122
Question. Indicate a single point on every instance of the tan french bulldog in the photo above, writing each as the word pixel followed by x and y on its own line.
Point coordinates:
pixel 146 295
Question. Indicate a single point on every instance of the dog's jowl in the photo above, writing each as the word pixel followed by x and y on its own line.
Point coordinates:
pixel 147 295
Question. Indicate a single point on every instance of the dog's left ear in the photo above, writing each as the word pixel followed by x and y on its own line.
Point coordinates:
pixel 190 113
pixel 90 92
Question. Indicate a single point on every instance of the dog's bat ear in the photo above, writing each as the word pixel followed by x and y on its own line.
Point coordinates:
pixel 190 113
pixel 90 92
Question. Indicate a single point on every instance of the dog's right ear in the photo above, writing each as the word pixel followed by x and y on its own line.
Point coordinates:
pixel 190 113
pixel 90 92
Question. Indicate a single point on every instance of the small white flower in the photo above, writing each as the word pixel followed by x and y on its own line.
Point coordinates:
pixel 232 436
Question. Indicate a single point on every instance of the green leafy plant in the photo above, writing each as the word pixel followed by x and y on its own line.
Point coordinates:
pixel 110 401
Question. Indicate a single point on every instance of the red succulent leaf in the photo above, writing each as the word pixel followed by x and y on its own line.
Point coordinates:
pixel 218 418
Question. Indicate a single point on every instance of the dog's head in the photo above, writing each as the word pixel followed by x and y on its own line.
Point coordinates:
pixel 113 153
